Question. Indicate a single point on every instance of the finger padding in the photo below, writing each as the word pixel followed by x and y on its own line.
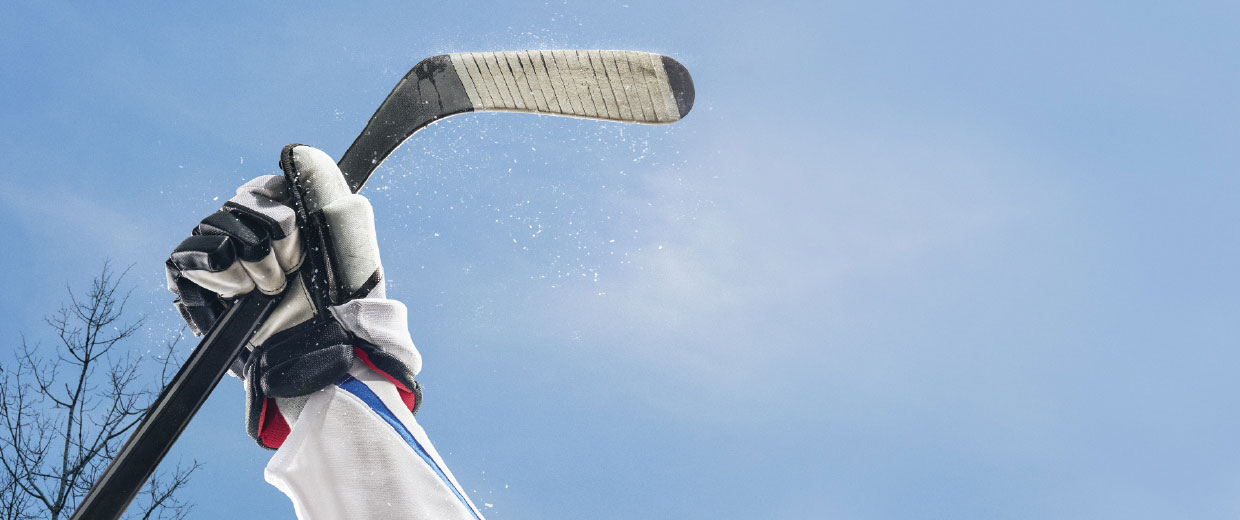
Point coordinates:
pixel 285 244
pixel 267 274
pixel 272 188
pixel 250 238
pixel 268 196
pixel 229 283
pixel 211 253
pixel 266 201
pixel 288 251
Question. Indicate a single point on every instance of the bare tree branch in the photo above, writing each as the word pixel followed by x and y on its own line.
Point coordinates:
pixel 67 408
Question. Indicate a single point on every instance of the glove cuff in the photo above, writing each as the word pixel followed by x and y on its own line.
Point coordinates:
pixel 312 355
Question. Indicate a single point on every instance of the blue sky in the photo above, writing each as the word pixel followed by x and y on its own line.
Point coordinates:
pixel 903 260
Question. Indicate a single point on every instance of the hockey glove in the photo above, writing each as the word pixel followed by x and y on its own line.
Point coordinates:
pixel 306 235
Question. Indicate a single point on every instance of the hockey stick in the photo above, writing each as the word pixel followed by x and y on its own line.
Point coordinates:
pixel 625 86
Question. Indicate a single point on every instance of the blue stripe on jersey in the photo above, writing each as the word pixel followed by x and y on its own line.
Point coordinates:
pixel 363 392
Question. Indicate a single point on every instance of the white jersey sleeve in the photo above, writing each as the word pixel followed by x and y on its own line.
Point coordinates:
pixel 357 452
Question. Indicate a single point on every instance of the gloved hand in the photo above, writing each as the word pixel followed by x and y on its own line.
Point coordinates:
pixel 304 234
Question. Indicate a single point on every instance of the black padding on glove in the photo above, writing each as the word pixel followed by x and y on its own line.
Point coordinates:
pixel 215 245
pixel 212 253
pixel 256 219
pixel 250 239
pixel 198 307
pixel 306 358
pixel 302 359
pixel 295 362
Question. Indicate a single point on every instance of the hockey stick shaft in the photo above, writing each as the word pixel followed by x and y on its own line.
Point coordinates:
pixel 173 409
pixel 623 86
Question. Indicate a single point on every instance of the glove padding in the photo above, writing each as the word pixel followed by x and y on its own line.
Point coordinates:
pixel 252 242
pixel 307 235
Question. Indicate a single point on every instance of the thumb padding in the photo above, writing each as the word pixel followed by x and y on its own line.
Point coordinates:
pixel 348 217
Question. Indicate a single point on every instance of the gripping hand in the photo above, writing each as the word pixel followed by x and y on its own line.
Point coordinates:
pixel 305 235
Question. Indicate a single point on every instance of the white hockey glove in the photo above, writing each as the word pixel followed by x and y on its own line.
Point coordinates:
pixel 307 235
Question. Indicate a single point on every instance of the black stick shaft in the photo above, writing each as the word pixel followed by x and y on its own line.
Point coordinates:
pixel 173 409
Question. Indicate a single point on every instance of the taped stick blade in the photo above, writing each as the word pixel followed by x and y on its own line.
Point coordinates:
pixel 622 86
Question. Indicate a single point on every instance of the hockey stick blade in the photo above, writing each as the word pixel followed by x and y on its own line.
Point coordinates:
pixel 624 86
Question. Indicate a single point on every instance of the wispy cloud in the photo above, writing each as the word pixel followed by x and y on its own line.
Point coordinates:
pixel 74 216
